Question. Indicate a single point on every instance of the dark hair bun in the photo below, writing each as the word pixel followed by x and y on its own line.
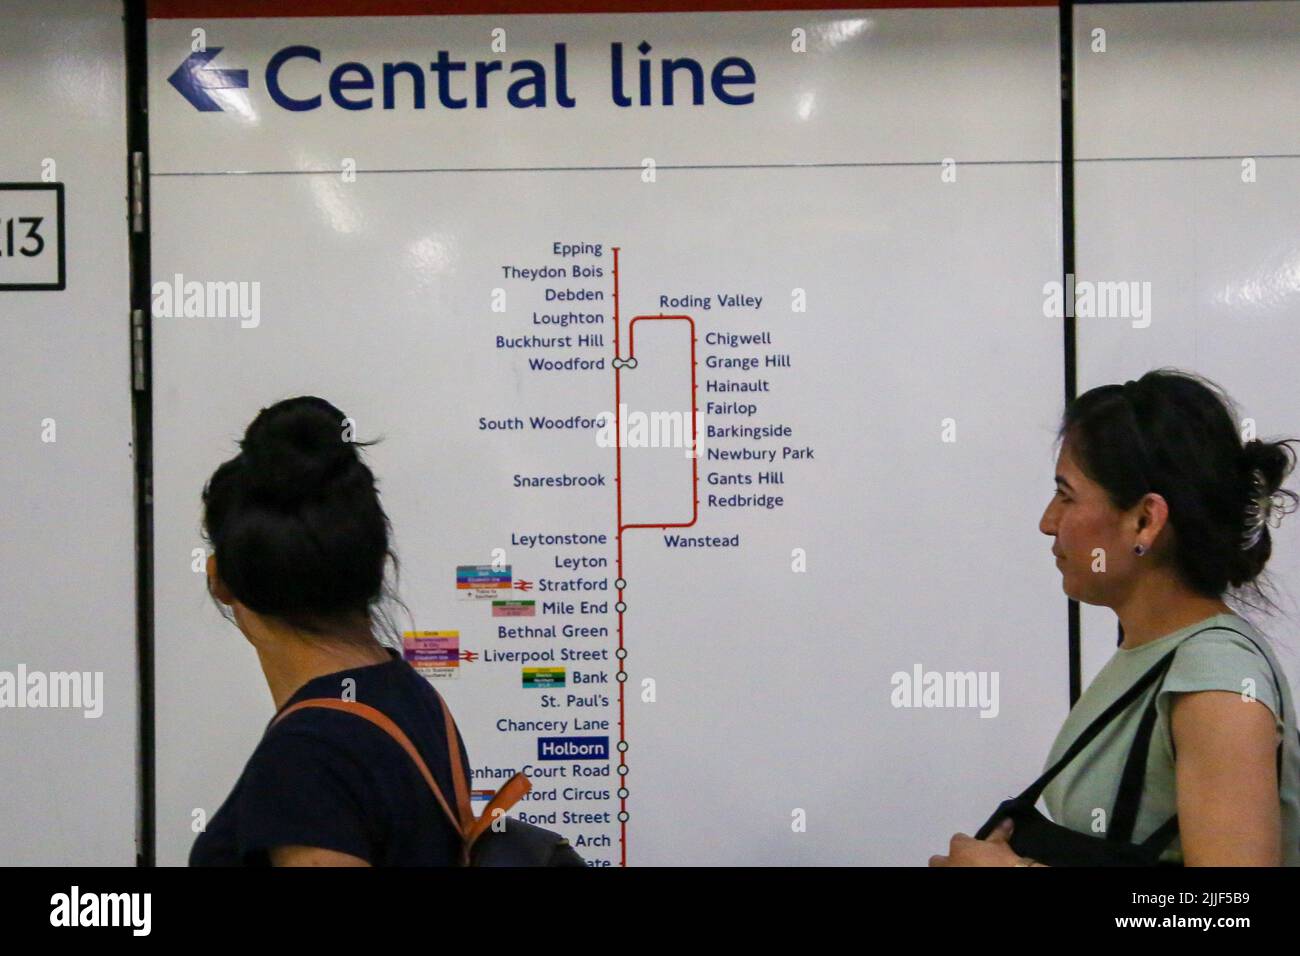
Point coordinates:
pixel 293 450
pixel 295 518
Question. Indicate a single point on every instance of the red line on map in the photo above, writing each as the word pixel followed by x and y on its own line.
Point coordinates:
pixel 619 360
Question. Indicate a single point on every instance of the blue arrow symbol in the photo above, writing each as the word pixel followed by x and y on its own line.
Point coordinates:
pixel 194 78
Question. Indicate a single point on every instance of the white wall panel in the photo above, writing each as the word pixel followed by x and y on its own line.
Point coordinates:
pixel 67 578
pixel 1165 118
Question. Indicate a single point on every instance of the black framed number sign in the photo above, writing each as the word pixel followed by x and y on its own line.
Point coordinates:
pixel 31 237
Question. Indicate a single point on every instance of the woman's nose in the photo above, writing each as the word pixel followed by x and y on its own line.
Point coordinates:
pixel 1047 523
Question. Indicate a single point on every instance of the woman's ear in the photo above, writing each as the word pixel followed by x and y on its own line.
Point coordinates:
pixel 1152 516
pixel 215 586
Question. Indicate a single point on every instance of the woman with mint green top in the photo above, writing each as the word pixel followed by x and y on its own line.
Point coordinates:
pixel 1160 513
pixel 1223 660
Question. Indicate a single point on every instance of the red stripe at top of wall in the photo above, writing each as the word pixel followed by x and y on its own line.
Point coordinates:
pixel 213 9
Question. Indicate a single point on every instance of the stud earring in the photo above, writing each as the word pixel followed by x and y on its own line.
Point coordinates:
pixel 1139 550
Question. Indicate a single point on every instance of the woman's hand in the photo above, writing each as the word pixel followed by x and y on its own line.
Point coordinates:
pixel 965 850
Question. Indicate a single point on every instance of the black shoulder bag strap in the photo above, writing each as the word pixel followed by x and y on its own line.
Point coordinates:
pixel 1129 795
pixel 1157 671
pixel 1121 703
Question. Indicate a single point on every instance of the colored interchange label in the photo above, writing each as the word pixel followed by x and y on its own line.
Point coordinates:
pixel 434 654
pixel 486 582
pixel 480 582
pixel 543 676
pixel 514 608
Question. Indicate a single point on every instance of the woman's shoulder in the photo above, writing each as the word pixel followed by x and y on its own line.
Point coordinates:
pixel 1228 654
pixel 1226 638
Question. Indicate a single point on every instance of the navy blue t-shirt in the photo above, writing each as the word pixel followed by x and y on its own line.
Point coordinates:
pixel 325 778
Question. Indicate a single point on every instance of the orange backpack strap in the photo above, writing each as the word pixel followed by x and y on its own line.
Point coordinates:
pixel 384 723
pixel 458 782
pixel 469 828
pixel 503 800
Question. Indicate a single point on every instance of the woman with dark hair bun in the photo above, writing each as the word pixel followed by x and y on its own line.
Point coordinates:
pixel 1184 747
pixel 300 543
